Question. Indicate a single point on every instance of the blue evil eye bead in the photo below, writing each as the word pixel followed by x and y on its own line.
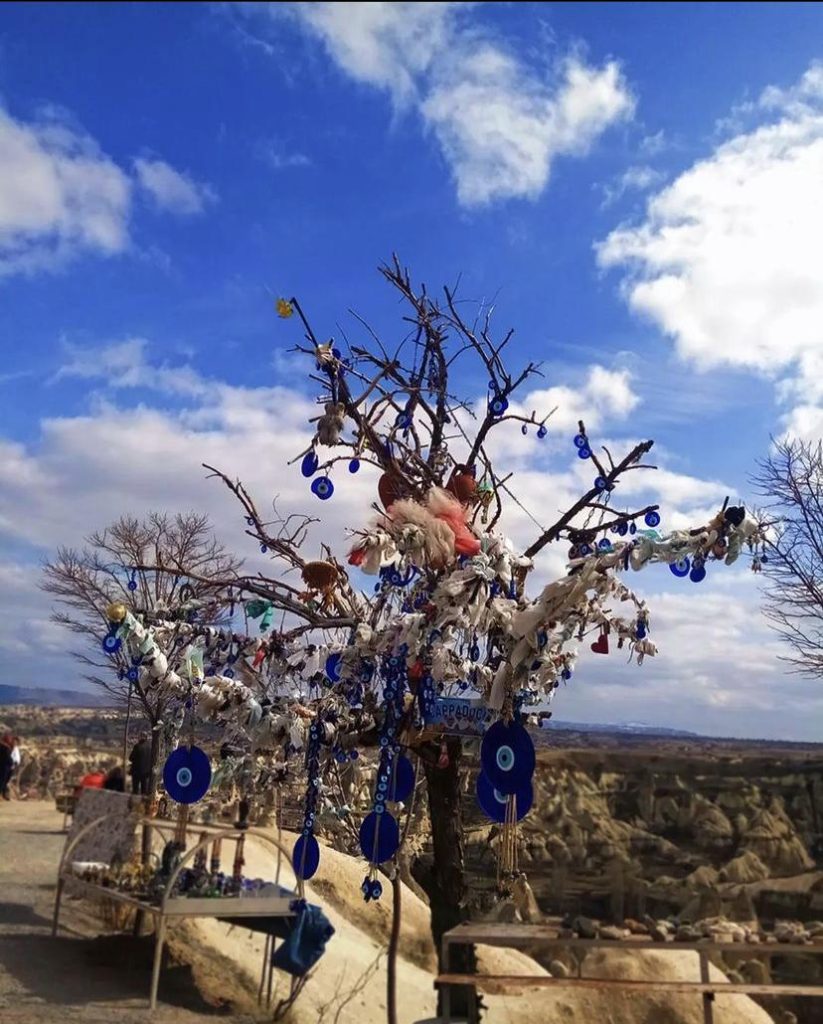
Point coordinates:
pixel 353 755
pixel 524 429
pixel 493 802
pixel 507 756
pixel 652 519
pixel 308 467
pixel 305 857
pixel 474 652
pixel 498 405
pixel 584 549
pixel 333 666
pixel 600 483
pixel 187 775
pixel 580 441
pixel 250 520
pixel 566 674
pixel 323 488
pixel 681 568
pixel 111 643
pixel 376 890
pixel 541 432
pixel 698 573
pixel 605 545
pixel 640 631
pixel 379 837
pixel 764 557
pixel 585 452
pixel 622 529
pixel 403 420
pixel 402 780
pixel 132 674
pixel 132 584
pixel 632 528
pixel 354 465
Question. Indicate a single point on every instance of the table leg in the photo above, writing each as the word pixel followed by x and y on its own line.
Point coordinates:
pixel 57 898
pixel 708 997
pixel 158 956
pixel 446 990
pixel 266 958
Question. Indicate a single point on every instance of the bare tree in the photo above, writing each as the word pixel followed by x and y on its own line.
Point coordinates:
pixel 790 480
pixel 190 569
pixel 450 612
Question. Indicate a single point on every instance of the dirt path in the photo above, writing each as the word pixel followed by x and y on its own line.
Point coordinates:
pixel 79 976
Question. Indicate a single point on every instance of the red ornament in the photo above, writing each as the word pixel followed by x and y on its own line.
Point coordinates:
pixel 463 485
pixel 390 489
pixel 601 644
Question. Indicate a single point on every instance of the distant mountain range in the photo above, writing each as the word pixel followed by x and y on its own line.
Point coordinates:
pixel 42 696
pixel 624 728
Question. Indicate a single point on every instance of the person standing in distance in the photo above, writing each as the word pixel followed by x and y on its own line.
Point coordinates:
pixel 140 765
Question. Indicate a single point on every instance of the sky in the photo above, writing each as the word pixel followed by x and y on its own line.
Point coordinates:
pixel 636 187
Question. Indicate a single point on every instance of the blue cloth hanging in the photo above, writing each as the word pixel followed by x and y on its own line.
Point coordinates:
pixel 308 932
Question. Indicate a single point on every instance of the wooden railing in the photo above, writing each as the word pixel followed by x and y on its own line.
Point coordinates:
pixel 525 936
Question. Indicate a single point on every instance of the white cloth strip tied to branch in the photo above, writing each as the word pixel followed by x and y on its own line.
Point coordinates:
pixel 535 640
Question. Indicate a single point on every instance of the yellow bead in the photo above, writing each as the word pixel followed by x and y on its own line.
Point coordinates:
pixel 116 611
pixel 284 308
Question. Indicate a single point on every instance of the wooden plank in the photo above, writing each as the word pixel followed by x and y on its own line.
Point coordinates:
pixel 229 906
pixel 717 987
pixel 515 935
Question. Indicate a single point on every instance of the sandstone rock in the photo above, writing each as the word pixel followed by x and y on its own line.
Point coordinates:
pixel 636 927
pixel 557 969
pixel 756 972
pixel 659 934
pixel 585 927
pixel 611 931
pixel 748 867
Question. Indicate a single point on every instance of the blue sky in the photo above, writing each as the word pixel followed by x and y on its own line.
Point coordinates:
pixel 637 186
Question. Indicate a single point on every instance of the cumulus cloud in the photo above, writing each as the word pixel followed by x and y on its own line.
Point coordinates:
pixel 171 190
pixel 499 121
pixel 59 195
pixel 726 259
pixel 62 197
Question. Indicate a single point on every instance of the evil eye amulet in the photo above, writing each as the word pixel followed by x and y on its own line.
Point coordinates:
pixel 308 467
pixel 322 488
pixel 652 518
pixel 681 568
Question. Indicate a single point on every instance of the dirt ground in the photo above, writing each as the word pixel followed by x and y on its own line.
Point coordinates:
pixel 79 976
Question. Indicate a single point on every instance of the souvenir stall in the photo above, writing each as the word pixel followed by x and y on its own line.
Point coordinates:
pixel 193 870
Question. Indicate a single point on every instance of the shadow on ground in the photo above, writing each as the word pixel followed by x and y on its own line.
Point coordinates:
pixel 112 968
pixel 21 914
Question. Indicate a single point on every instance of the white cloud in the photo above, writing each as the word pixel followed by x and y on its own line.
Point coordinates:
pixel 727 258
pixel 62 197
pixel 171 190
pixel 717 665
pixel 123 364
pixel 59 195
pixel 279 158
pixel 638 178
pixel 499 122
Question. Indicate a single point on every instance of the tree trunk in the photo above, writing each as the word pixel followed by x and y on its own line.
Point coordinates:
pixel 446 883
